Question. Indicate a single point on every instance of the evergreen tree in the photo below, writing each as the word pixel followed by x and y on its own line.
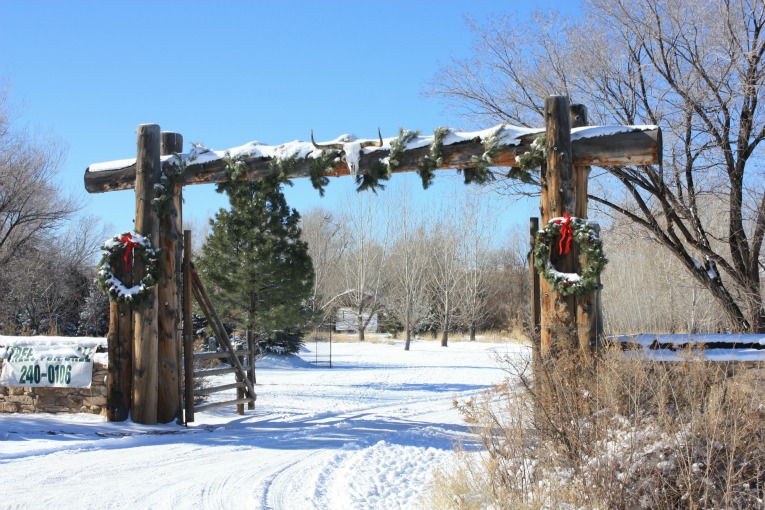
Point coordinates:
pixel 257 269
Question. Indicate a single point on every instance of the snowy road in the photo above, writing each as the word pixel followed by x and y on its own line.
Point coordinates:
pixel 364 434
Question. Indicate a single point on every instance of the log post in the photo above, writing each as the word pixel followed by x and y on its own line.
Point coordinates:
pixel 169 380
pixel 119 380
pixel 250 362
pixel 535 286
pixel 145 350
pixel 558 313
pixel 188 330
pixel 588 323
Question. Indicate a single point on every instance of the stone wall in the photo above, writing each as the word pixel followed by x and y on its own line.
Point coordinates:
pixel 57 400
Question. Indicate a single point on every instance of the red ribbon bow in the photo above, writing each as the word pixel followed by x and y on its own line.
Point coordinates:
pixel 566 232
pixel 127 239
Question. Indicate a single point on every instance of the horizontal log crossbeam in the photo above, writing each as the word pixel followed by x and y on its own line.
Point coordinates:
pixel 592 146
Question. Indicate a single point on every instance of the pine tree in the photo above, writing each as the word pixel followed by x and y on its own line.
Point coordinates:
pixel 257 269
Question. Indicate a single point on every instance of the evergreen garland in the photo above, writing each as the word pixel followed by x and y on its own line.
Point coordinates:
pixel 173 175
pixel 320 166
pixel 433 160
pixel 117 251
pixel 586 234
pixel 398 146
pixel 383 171
pixel 480 174
pixel 530 161
pixel 279 171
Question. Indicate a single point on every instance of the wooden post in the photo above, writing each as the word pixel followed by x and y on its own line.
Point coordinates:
pixel 188 330
pixel 535 287
pixel 119 380
pixel 169 398
pixel 589 325
pixel 145 351
pixel 557 198
pixel 250 363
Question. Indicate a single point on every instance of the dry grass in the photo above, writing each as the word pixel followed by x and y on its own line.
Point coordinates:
pixel 614 433
pixel 515 336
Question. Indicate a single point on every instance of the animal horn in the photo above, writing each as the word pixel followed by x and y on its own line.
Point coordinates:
pixel 374 144
pixel 326 146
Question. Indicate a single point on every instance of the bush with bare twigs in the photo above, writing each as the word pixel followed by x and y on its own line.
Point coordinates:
pixel 614 432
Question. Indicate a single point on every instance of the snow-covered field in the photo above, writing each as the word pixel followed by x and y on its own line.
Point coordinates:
pixel 364 434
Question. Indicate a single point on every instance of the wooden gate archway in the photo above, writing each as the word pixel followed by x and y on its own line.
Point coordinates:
pixel 145 344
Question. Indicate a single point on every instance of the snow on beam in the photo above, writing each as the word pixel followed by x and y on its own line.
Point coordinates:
pixel 592 145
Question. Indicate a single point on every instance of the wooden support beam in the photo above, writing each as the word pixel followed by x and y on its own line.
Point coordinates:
pixel 169 362
pixel 119 380
pixel 588 314
pixel 535 287
pixel 595 146
pixel 558 313
pixel 145 351
pixel 188 332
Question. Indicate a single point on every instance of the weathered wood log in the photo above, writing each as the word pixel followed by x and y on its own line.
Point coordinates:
pixel 119 380
pixel 588 314
pixel 535 284
pixel 251 363
pixel 144 405
pixel 188 332
pixel 558 313
pixel 595 146
pixel 169 396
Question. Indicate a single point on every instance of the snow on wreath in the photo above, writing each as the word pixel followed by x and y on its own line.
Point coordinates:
pixel 562 231
pixel 120 253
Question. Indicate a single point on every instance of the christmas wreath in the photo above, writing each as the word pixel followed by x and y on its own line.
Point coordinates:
pixel 562 231
pixel 123 249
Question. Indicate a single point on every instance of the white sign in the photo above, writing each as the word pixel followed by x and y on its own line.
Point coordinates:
pixel 48 366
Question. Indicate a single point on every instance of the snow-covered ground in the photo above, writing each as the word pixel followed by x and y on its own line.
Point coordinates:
pixel 364 434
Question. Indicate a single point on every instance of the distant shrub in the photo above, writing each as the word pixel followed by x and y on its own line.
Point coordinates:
pixel 283 341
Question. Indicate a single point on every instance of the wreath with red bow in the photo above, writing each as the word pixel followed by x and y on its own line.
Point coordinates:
pixel 560 232
pixel 121 251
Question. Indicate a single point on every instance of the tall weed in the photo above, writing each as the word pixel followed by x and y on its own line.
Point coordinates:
pixel 617 431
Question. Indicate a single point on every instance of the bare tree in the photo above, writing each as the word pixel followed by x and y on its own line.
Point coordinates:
pixel 45 286
pixel 477 230
pixel 693 67
pixel 445 278
pixel 326 245
pixel 364 273
pixel 407 296
pixel 31 204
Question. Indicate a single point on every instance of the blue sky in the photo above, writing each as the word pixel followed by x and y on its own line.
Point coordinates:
pixel 225 73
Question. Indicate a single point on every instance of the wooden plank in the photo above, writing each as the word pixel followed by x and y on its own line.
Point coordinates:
pixel 214 371
pixel 218 355
pixel 169 394
pixel 217 389
pixel 205 303
pixel 639 147
pixel 217 405
pixel 145 351
pixel 188 331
